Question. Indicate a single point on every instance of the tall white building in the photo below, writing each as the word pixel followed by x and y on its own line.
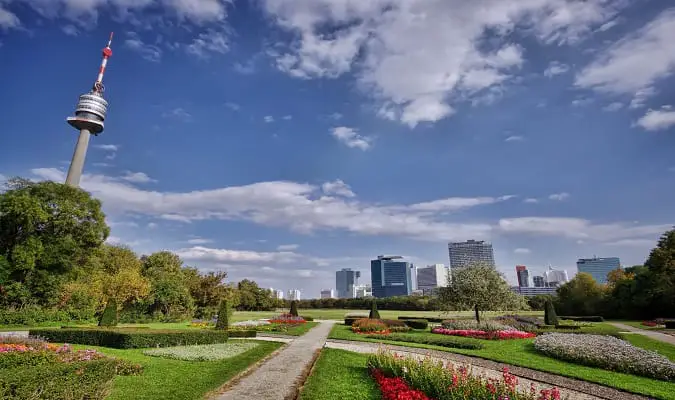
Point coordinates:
pixel 327 294
pixel 363 291
pixel 432 277
pixel 293 294
pixel 555 278
pixel 469 253
pixel 279 294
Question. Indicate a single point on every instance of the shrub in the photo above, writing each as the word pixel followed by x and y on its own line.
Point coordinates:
pixel 367 325
pixel 204 352
pixel 434 320
pixel 607 353
pixel 670 324
pixel 393 322
pixel 417 323
pixel 467 324
pixel 480 334
pixel 239 333
pixel 396 387
pixel 224 316
pixel 351 318
pixel 550 317
pixel 131 338
pixel 308 319
pixel 520 322
pixel 374 314
pixel 34 315
pixel 294 308
pixel 287 319
pixel 109 316
pixel 403 328
pixel 591 318
pixel 649 323
pixel 443 341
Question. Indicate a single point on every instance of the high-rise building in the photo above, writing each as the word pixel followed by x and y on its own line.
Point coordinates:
pixel 327 294
pixel 538 281
pixel 391 277
pixel 280 294
pixel 598 267
pixel 555 278
pixel 432 277
pixel 533 291
pixel 523 276
pixel 293 294
pixel 345 280
pixel 471 252
pixel 361 291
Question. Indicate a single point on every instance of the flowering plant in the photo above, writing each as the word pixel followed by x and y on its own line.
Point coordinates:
pixel 480 334
pixel 396 388
pixel 370 326
pixel 287 319
pixel 467 324
pixel 650 323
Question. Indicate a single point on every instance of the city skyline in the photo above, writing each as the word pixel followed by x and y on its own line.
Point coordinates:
pixel 245 139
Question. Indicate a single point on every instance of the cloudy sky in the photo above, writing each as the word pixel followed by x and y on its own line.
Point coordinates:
pixel 281 140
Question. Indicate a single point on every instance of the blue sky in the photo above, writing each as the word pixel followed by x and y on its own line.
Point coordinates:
pixel 281 140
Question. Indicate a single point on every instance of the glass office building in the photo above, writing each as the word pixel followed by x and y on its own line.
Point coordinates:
pixel 391 277
pixel 471 252
pixel 598 267
pixel 345 281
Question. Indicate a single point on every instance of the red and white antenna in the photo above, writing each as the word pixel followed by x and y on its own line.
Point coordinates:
pixel 107 53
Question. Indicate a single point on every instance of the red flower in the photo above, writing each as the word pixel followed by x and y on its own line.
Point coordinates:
pixel 396 388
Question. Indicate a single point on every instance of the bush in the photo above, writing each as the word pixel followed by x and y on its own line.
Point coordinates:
pixel 36 315
pixel 109 316
pixel 224 316
pixel 550 317
pixel 294 308
pixel 443 341
pixel 520 322
pixel 607 353
pixel 393 322
pixel 239 333
pixel 131 338
pixel 403 328
pixel 308 319
pixel 367 325
pixel 351 318
pixel 417 323
pixel 433 320
pixel 374 314
pixel 488 335
pixel 669 324
pixel 469 324
pixel 592 318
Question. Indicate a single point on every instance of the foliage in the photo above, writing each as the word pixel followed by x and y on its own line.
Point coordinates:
pixel 589 318
pixel 369 326
pixel 129 338
pixel 417 323
pixel 443 341
pixel 374 314
pixel 606 352
pixel 207 291
pixel 224 315
pixel 287 319
pixel 35 315
pixel 242 333
pixel 170 293
pixel 294 308
pixel 207 352
pixel 254 298
pixel 550 317
pixel 109 316
pixel 466 324
pixel 396 388
pixel 538 302
pixel 520 322
pixel 580 296
pixel 480 334
pixel 351 318
pixel 307 318
pixel 399 303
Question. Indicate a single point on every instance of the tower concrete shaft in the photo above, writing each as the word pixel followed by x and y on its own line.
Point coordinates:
pixel 77 164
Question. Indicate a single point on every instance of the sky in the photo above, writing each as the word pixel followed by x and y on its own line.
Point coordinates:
pixel 282 140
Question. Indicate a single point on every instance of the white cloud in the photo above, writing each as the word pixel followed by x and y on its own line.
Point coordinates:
pixel 98 164
pixel 351 138
pixel 559 196
pixel 287 117
pixel 147 51
pixel 197 241
pixel 608 25
pixel 531 200
pixel 152 225
pixel 178 113
pixel 107 147
pixel 522 250
pixel 137 177
pixel 70 30
pixel 514 138
pixel 636 62
pixel 268 119
pixel 655 120
pixel 457 203
pixel 288 247
pixel 439 46
pixel 209 42
pixel 582 102
pixel 646 243
pixel 8 20
pixel 335 116
pixel 338 188
pixel 616 106
pixel 640 98
pixel 233 106
pixel 556 68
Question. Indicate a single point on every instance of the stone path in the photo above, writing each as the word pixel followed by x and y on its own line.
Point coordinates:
pixel 277 378
pixel 656 335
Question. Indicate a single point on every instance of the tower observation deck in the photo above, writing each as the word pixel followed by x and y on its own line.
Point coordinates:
pixel 89 116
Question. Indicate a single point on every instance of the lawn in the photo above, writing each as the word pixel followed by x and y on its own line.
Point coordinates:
pixel 521 352
pixel 638 324
pixel 298 330
pixel 180 380
pixel 339 375
pixel 665 349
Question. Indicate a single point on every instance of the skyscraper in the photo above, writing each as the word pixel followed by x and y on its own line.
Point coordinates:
pixel 598 267
pixel 538 281
pixel 390 277
pixel 555 278
pixel 471 252
pixel 293 294
pixel 345 280
pixel 327 294
pixel 523 276
pixel 432 277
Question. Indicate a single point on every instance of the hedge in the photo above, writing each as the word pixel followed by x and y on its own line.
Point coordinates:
pixel 670 324
pixel 443 341
pixel 90 380
pixel 243 333
pixel 591 318
pixel 350 318
pixel 131 338
pixel 417 323
pixel 308 319
pixel 428 319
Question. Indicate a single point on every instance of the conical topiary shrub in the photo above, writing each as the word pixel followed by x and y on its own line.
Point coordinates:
pixel 477 312
pixel 224 313
pixel 374 314
pixel 109 316
pixel 294 308
pixel 550 317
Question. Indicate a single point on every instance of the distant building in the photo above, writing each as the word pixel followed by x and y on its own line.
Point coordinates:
pixel 327 294
pixel 364 290
pixel 539 281
pixel 598 267
pixel 432 277
pixel 280 294
pixel 391 277
pixel 533 291
pixel 471 252
pixel 345 280
pixel 293 294
pixel 555 278
pixel 523 276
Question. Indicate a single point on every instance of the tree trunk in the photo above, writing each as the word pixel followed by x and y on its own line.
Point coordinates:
pixel 477 313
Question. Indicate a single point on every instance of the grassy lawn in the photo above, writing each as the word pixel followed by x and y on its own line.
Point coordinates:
pixel 298 330
pixel 665 349
pixel 180 380
pixel 340 375
pixel 638 324
pixel 522 353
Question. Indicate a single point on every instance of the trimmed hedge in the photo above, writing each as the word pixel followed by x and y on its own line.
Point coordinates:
pixel 131 338
pixel 393 322
pixel 90 380
pixel 417 323
pixel 308 319
pixel 433 320
pixel 568 327
pixel 670 324
pixel 351 318
pixel 243 333
pixel 443 341
pixel 591 318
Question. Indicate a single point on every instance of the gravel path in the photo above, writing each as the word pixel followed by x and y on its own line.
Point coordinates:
pixel 279 376
pixel 662 337
pixel 267 339
pixel 575 389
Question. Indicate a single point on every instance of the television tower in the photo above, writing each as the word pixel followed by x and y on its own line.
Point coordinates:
pixel 89 116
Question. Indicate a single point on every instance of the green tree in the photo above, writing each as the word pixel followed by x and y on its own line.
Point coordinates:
pixel 294 308
pixel 224 315
pixel 109 316
pixel 254 298
pixel 580 296
pixel 657 285
pixel 550 317
pixel 170 290
pixel 538 302
pixel 207 291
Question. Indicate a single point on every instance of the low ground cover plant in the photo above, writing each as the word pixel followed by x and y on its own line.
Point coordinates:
pixel 443 341
pixel 606 352
pixel 520 322
pixel 467 324
pixel 417 323
pixel 396 388
pixel 287 319
pixel 370 326
pixel 480 334
pixel 252 323
pixel 351 318
pixel 205 352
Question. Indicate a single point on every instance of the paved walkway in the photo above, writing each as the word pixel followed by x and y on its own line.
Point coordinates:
pixel 656 335
pixel 278 377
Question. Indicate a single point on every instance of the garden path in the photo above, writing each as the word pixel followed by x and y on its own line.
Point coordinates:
pixel 575 389
pixel 662 337
pixel 279 377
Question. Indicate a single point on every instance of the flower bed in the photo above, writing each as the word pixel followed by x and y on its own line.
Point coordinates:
pixel 287 319
pixel 443 341
pixel 433 380
pixel 480 334
pixel 252 323
pixel 370 326
pixel 396 388
pixel 520 322
pixel 208 352
pixel 467 324
pixel 606 352
pixel 650 323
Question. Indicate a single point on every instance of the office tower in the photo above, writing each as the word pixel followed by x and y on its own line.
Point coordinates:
pixel 432 277
pixel 471 252
pixel 538 281
pixel 598 267
pixel 555 278
pixel 327 294
pixel 533 291
pixel 345 280
pixel 523 276
pixel 293 294
pixel 390 277
pixel 361 291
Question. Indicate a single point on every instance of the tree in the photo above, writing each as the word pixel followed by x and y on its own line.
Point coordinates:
pixel 482 286
pixel 224 315
pixel 254 298
pixel 374 314
pixel 580 296
pixel 550 317
pixel 207 291
pixel 657 284
pixel 170 292
pixel 109 316
pixel 294 308
pixel 538 302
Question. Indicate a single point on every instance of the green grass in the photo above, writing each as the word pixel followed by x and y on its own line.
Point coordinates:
pixel 179 380
pixel 521 352
pixel 340 375
pixel 638 324
pixel 665 349
pixel 299 330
